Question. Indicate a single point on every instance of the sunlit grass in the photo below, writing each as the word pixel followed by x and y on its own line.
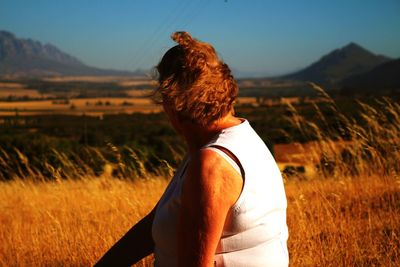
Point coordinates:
pixel 346 222
pixel 346 214
pixel 70 222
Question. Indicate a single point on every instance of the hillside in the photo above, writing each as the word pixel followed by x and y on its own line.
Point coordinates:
pixel 27 57
pixel 380 79
pixel 337 65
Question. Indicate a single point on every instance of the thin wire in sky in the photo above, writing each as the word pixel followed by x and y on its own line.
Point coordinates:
pixel 153 38
pixel 183 16
pixel 192 17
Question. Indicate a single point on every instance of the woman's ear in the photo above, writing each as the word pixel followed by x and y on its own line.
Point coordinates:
pixel 173 116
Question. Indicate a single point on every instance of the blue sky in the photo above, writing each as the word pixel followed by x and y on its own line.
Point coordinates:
pixel 254 36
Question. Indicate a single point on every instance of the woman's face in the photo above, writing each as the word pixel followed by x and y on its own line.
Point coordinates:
pixel 172 115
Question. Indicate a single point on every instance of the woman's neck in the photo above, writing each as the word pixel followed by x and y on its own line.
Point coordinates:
pixel 197 136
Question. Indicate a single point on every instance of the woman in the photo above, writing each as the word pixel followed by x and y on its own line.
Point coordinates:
pixel 226 204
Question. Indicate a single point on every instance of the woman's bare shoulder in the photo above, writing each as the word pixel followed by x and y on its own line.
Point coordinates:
pixel 212 178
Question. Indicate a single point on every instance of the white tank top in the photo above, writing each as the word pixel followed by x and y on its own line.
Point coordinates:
pixel 255 231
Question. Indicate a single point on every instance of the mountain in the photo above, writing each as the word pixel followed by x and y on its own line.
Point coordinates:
pixel 26 57
pixel 381 78
pixel 339 64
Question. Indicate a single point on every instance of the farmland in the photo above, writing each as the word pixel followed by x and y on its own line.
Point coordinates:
pixel 88 106
pixel 76 96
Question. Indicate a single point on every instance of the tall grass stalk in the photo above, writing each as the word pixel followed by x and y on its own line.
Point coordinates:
pixel 347 147
pixel 70 222
pixel 119 162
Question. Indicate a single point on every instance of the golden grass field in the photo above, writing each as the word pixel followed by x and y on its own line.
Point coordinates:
pixel 70 223
pixel 18 90
pixel 345 212
pixel 136 100
pixel 40 103
pixel 88 106
pixel 345 222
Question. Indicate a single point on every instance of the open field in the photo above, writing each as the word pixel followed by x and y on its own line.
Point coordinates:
pixel 137 102
pixel 345 222
pixel 69 223
pixel 74 87
pixel 88 106
pixel 295 152
pixel 17 98
pixel 305 155
pixel 66 203
pixel 18 90
pixel 21 93
pixel 101 79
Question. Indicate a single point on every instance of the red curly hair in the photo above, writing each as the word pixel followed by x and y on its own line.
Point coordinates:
pixel 195 82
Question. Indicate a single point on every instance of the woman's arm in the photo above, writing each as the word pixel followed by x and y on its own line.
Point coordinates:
pixel 211 187
pixel 136 244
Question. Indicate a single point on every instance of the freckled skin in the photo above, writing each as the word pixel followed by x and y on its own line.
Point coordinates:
pixel 211 187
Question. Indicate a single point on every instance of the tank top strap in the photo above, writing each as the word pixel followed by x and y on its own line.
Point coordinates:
pixel 231 159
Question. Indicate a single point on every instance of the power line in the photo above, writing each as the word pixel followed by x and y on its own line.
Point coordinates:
pixel 143 50
pixel 182 17
pixel 192 17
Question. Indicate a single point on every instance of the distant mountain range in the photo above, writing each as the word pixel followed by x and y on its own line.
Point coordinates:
pixel 338 65
pixel 26 57
pixel 351 67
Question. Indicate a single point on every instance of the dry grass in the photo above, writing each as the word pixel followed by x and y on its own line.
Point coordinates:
pixel 347 222
pixel 138 101
pixel 18 90
pixel 21 92
pixel 70 223
pixel 101 79
pixel 87 106
pixel 346 214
